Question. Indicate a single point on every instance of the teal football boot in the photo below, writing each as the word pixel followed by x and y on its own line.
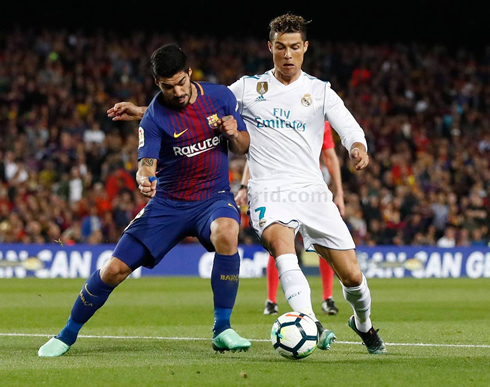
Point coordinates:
pixel 229 340
pixel 53 348
pixel 325 337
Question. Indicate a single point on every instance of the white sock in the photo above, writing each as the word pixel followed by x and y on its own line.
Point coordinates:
pixel 294 284
pixel 360 299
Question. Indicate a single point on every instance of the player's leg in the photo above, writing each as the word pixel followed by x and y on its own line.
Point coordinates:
pixel 217 228
pixel 356 292
pixel 324 229
pixel 272 276
pixel 280 241
pixel 354 285
pixel 327 276
pixel 276 224
pixel 95 292
pixel 225 272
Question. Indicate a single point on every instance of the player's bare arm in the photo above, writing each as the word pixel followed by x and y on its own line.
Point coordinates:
pixel 147 169
pixel 359 154
pixel 238 141
pixel 126 111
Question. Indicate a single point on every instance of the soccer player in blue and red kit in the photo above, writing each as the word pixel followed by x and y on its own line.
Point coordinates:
pixel 184 138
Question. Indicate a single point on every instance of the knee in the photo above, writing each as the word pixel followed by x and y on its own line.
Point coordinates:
pixel 352 279
pixel 279 246
pixel 114 271
pixel 279 240
pixel 224 236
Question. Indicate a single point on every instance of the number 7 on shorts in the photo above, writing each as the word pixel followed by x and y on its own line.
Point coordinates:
pixel 261 211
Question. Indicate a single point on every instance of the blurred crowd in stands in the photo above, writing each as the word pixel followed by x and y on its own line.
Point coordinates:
pixel 67 172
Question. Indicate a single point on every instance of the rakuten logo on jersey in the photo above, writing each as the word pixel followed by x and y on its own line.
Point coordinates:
pixel 195 149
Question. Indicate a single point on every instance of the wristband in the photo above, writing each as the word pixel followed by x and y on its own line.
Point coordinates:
pixel 242 187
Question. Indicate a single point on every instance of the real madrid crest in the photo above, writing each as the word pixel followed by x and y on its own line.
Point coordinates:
pixel 262 87
pixel 306 100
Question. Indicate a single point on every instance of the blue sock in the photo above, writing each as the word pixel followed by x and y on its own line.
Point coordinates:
pixel 69 333
pixel 224 282
pixel 221 320
pixel 93 295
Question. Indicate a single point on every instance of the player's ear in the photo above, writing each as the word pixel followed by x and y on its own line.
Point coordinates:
pixel 189 72
pixel 305 46
pixel 269 44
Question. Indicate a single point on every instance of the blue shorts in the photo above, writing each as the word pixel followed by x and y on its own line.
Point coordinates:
pixel 163 223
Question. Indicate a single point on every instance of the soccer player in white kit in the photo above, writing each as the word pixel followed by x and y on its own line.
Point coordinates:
pixel 285 110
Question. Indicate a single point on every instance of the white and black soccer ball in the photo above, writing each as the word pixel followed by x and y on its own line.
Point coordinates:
pixel 294 335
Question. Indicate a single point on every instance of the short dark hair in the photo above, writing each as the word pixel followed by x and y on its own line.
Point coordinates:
pixel 288 23
pixel 168 60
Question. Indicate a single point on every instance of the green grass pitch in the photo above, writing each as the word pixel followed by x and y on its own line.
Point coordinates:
pixel 156 332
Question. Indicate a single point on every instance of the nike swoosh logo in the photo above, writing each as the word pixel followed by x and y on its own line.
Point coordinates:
pixel 176 135
pixel 86 289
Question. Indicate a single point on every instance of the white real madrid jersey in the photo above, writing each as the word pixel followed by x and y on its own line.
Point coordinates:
pixel 286 125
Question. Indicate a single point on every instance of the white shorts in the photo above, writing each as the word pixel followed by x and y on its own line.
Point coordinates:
pixel 308 210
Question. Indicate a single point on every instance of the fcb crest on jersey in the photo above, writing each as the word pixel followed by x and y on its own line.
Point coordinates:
pixel 306 100
pixel 262 87
pixel 213 121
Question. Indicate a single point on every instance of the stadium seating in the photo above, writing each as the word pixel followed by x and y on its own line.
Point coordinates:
pixel 67 171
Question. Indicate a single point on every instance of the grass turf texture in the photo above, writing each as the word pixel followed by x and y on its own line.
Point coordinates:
pixel 435 311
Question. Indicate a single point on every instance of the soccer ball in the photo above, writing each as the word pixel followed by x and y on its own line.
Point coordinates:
pixel 294 335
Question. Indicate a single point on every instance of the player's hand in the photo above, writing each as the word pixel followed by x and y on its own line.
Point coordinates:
pixel 241 197
pixel 148 188
pixel 228 126
pixel 125 111
pixel 360 157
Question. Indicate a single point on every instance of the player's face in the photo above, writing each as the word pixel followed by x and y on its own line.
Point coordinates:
pixel 176 90
pixel 288 52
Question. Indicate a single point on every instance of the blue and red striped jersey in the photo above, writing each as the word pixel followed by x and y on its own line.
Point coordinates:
pixel 192 155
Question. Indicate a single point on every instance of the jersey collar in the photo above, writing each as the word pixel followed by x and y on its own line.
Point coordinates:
pixel 200 90
pixel 297 82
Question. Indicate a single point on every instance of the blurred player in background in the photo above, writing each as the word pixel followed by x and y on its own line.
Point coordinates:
pixel 331 172
pixel 184 138
pixel 285 111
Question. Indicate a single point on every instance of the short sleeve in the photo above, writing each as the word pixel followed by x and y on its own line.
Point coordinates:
pixel 149 139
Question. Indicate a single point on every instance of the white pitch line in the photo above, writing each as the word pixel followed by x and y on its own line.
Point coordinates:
pixel 257 340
